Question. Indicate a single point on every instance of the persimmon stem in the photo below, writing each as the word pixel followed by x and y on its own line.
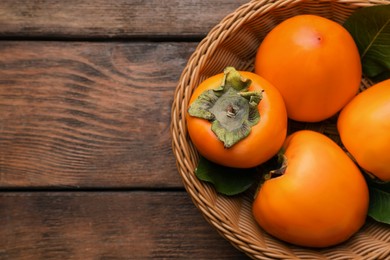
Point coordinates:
pixel 281 166
pixel 231 111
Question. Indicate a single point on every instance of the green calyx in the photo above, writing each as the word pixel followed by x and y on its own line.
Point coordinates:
pixel 231 108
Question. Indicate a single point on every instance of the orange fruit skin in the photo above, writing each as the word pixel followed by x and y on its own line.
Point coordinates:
pixel 364 128
pixel 265 138
pixel 321 199
pixel 315 64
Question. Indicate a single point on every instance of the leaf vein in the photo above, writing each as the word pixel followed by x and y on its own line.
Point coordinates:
pixel 375 37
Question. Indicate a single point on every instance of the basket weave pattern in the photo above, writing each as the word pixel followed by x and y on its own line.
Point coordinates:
pixel 232 216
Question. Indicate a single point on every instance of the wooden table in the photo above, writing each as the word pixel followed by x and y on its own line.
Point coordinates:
pixel 86 168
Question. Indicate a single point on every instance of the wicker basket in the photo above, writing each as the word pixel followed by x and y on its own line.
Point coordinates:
pixel 231 216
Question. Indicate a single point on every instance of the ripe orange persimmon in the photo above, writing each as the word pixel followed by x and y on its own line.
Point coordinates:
pixel 257 145
pixel 315 64
pixel 364 128
pixel 320 200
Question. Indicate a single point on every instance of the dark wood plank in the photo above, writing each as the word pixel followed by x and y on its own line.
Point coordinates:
pixel 79 114
pixel 110 19
pixel 111 225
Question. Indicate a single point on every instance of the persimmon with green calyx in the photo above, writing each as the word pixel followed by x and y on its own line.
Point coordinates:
pixel 237 119
pixel 364 128
pixel 320 199
pixel 314 63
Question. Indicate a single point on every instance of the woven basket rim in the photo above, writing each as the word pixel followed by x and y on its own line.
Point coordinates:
pixel 186 155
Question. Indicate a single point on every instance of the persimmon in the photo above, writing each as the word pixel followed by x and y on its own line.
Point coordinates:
pixel 364 128
pixel 314 63
pixel 321 199
pixel 237 119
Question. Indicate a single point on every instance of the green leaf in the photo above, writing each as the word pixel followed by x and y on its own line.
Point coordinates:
pixel 379 208
pixel 226 180
pixel 370 28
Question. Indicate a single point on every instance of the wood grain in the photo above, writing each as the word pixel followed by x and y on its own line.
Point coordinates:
pixel 109 225
pixel 112 19
pixel 82 114
pixel 86 168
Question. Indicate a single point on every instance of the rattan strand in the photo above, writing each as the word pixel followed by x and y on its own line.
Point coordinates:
pixel 231 216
